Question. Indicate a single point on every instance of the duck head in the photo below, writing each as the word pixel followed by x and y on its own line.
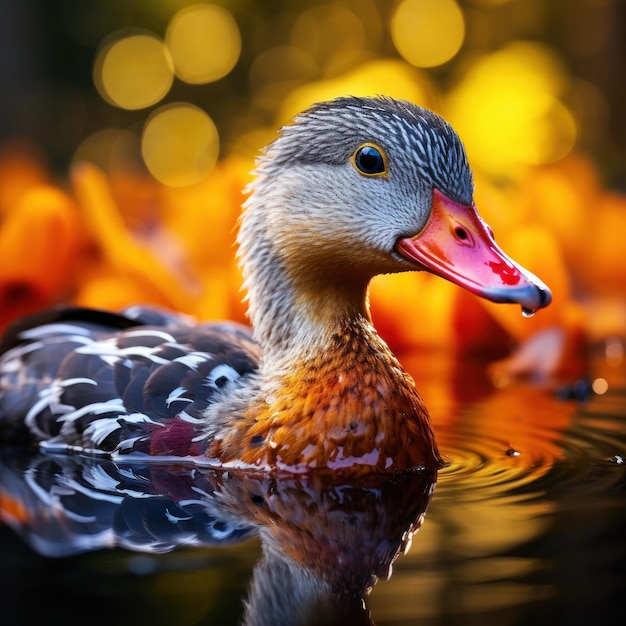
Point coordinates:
pixel 361 186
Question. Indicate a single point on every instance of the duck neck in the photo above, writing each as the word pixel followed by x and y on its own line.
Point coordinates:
pixel 295 316
pixel 300 322
pixel 328 393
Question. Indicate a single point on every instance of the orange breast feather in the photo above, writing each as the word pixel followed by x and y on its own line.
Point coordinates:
pixel 342 408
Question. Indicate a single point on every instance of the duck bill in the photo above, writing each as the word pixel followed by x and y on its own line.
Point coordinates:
pixel 457 245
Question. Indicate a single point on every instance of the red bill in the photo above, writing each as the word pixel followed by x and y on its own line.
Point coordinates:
pixel 457 245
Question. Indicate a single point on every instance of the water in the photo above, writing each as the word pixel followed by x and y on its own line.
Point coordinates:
pixel 525 526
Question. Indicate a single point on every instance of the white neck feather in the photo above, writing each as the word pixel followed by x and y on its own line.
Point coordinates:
pixel 295 301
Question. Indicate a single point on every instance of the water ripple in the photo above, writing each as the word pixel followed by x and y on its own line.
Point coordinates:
pixel 537 443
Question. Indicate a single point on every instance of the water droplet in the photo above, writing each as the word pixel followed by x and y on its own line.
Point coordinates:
pixel 512 452
pixel 526 312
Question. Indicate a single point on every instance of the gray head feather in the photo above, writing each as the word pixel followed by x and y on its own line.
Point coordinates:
pixel 330 132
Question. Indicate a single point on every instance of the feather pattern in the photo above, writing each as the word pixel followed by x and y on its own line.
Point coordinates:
pixel 138 389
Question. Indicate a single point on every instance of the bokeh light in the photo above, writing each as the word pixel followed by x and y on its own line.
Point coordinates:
pixel 109 149
pixel 600 386
pixel 333 35
pixel 614 351
pixel 428 33
pixel 133 71
pixel 382 76
pixel 508 111
pixel 277 71
pixel 533 92
pixel 180 144
pixel 133 195
pixel 204 42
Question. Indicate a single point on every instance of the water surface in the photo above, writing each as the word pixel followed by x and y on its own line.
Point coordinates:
pixel 525 526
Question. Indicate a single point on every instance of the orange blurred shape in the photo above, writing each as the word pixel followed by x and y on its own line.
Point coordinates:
pixel 563 197
pixel 476 333
pixel 413 310
pixel 39 240
pixel 122 255
pixel 13 510
pixel 203 219
pixel 105 288
pixel 136 198
pixel 21 168
pixel 203 216
pixel 603 260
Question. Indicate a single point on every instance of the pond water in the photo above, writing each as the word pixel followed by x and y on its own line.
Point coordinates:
pixel 526 525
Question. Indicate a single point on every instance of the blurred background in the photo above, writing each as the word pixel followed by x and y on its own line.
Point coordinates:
pixel 168 101
pixel 530 79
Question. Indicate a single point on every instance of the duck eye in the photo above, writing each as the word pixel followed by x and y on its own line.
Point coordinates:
pixel 370 160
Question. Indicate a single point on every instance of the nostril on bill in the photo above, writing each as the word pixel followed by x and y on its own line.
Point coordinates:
pixel 461 233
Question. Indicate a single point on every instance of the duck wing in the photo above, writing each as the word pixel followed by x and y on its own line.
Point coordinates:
pixel 135 382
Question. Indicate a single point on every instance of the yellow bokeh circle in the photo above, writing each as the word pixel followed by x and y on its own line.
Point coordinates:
pixel 180 144
pixel 109 149
pixel 133 71
pixel 204 42
pixel 391 77
pixel 427 33
pixel 508 111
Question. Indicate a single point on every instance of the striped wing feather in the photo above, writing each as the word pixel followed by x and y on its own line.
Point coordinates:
pixel 139 381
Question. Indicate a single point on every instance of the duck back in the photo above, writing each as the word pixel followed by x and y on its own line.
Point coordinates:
pixel 135 382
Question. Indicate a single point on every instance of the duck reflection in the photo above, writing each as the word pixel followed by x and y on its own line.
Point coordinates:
pixel 325 539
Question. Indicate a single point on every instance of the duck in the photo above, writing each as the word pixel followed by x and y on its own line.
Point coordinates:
pixel 349 189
